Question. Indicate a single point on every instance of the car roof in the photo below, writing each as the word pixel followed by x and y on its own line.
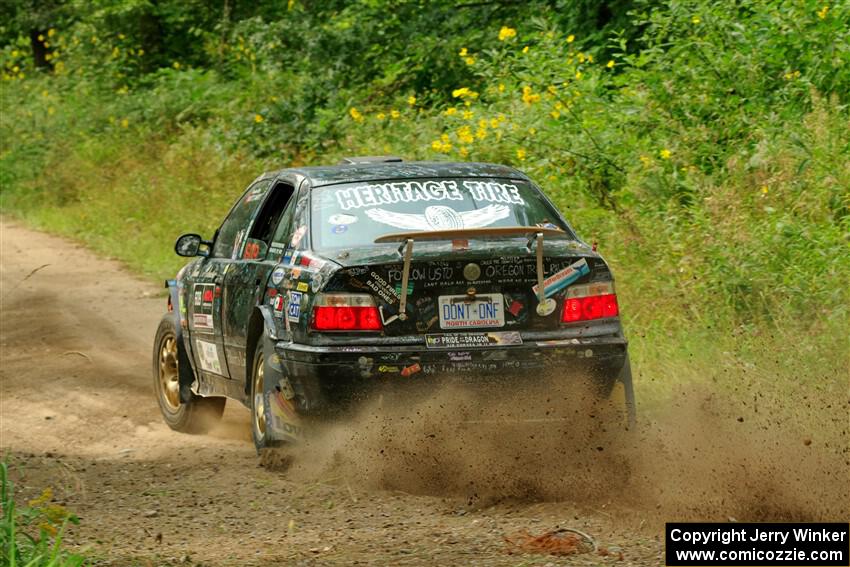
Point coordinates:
pixel 378 171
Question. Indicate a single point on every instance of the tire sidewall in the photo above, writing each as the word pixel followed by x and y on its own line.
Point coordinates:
pixel 260 439
pixel 174 418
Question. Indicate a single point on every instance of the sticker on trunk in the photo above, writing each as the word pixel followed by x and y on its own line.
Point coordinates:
pixel 558 281
pixel 469 340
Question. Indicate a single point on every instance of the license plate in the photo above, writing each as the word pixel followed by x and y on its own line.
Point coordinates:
pixel 457 312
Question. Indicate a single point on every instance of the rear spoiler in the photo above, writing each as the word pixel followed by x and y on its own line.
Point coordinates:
pixel 534 233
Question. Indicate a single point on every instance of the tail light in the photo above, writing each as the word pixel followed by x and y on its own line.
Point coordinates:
pixel 588 302
pixel 345 312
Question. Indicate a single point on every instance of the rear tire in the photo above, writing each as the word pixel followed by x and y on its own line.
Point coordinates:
pixel 622 395
pixel 198 414
pixel 259 426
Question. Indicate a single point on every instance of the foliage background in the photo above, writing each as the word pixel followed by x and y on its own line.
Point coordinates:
pixel 704 145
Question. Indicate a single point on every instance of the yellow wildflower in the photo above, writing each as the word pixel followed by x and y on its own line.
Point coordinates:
pixel 581 57
pixel 468 114
pixel 463 152
pixel 520 154
pixel 571 38
pixel 506 33
pixel 610 64
pixel 494 123
pixel 380 116
pixel 464 92
pixel 176 64
pixel 764 190
pixel 15 53
pixel 451 111
pixel 481 133
pixel 528 95
pixel 590 58
pixel 502 117
pixel 470 60
pixel 578 75
pixel 695 20
pixel 445 138
pixel 555 114
pixel 665 153
pixel 822 12
pixel 411 100
pixel 394 114
pixel 140 52
pixel 125 123
pixel 51 32
pixel 525 49
pixel 40 37
pixel 45 496
pixel 464 135
pixel 463 52
pixel 258 118
pixel 532 131
pixel 646 160
pixel 436 145
pixel 501 87
pixel 356 114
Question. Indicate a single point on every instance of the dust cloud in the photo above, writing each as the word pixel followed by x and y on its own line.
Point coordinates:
pixel 699 456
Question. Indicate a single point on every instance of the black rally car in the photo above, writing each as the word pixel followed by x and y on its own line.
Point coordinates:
pixel 324 281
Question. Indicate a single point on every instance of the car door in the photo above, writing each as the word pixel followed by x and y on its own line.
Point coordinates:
pixel 206 323
pixel 244 281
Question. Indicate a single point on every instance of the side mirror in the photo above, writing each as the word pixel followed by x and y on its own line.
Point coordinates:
pixel 189 245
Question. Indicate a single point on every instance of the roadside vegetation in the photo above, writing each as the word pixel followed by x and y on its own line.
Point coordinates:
pixel 31 535
pixel 704 145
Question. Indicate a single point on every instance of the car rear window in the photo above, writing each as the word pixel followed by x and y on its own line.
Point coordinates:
pixel 355 214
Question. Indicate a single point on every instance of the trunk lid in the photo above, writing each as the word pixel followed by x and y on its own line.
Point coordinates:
pixel 467 286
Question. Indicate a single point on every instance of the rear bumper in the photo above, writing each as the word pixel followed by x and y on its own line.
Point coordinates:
pixel 330 373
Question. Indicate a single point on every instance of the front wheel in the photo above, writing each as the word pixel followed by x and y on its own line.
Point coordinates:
pixel 198 414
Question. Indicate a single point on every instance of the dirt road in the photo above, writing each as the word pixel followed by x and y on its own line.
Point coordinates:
pixel 78 414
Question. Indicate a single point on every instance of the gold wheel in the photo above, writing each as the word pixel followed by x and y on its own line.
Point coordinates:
pixel 169 384
pixel 258 393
